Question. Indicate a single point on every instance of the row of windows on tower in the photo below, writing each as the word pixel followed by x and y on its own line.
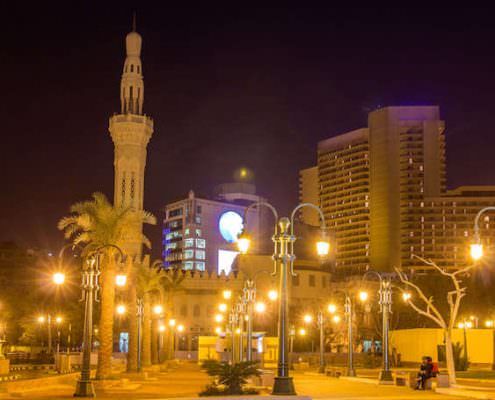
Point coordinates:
pixel 131 68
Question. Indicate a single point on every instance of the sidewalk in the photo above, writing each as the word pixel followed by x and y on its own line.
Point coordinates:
pixel 459 390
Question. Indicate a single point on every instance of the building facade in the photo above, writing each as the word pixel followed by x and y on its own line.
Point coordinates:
pixel 200 234
pixel 383 192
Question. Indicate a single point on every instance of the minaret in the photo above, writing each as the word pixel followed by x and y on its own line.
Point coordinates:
pixel 131 131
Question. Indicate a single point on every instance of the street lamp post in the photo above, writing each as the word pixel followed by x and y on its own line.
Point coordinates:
pixel 283 257
pixel 476 246
pixel 385 302
pixel 350 336
pixel 90 288
pixel 321 323
pixel 140 312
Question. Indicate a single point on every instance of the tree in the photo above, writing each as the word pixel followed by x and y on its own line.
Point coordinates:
pixel 149 283
pixel 95 224
pixel 429 309
pixel 171 284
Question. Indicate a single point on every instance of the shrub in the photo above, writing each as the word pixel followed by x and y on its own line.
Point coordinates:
pixel 229 379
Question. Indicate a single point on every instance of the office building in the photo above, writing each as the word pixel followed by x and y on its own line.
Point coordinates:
pixel 383 192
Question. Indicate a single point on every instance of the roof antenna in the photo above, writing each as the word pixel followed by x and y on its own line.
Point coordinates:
pixel 134 21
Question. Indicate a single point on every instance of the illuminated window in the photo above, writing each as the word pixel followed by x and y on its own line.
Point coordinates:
pixel 188 265
pixel 200 243
pixel 175 213
pixel 171 246
pixel 198 219
pixel 200 266
pixel 200 254
pixel 187 231
pixel 188 243
pixel 198 232
pixel 188 254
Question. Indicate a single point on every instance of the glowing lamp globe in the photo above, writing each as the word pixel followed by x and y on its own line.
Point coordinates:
pixel 260 307
pixel 58 278
pixel 121 280
pixel 336 319
pixel 162 328
pixel 218 330
pixel 308 319
pixel 222 307
pixel 172 322
pixel 58 320
pixel 476 251
pixel 332 308
pixel 322 248
pixel 406 296
pixel 158 309
pixel 41 319
pixel 243 244
pixel 121 309
pixel 180 328
pixel 218 318
pixel 227 294
pixel 489 323
pixel 460 325
pixel 273 295
pixel 363 296
pixel 302 332
pixel 469 324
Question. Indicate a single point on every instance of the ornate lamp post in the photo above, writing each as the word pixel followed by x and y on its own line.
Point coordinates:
pixel 385 302
pixel 476 246
pixel 90 288
pixel 283 257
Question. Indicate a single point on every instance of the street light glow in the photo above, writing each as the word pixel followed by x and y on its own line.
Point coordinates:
pixel 222 307
pixel 322 248
pixel 469 324
pixel 227 294
pixel 243 243
pixel 58 319
pixel 302 332
pixel 406 296
pixel 336 319
pixel 121 280
pixel 172 322
pixel 41 319
pixel 121 309
pixel 332 308
pixel 218 330
pixel 180 328
pixel 363 296
pixel 308 318
pixel 162 328
pixel 476 251
pixel 58 278
pixel 260 307
pixel 273 295
pixel 218 318
pixel 489 323
pixel 158 309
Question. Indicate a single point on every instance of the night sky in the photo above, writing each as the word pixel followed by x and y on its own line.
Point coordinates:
pixel 227 87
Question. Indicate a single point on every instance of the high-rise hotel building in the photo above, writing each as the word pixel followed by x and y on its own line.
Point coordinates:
pixel 383 191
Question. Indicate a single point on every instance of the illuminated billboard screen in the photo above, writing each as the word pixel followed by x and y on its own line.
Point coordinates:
pixel 225 260
pixel 230 226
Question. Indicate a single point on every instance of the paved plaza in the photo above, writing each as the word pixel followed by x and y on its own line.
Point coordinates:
pixel 187 381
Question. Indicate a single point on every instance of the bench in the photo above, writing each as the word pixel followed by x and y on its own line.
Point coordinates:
pixel 335 372
pixel 405 378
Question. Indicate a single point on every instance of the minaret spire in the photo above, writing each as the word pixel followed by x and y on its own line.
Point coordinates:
pixel 132 85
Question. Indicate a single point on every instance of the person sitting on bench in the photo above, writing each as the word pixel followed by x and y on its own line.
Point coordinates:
pixel 425 373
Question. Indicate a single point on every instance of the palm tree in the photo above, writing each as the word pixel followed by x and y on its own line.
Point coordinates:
pixel 171 284
pixel 96 223
pixel 149 283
